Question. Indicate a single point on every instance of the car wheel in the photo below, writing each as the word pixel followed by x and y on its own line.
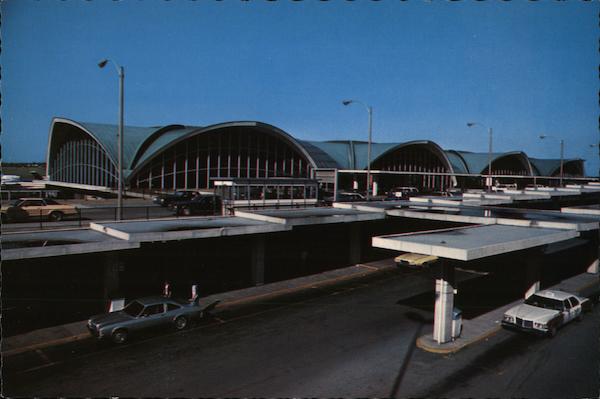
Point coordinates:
pixel 181 322
pixel 56 216
pixel 120 336
pixel 552 332
pixel 580 316
pixel 187 211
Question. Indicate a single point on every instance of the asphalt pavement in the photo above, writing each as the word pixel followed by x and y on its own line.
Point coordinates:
pixel 339 333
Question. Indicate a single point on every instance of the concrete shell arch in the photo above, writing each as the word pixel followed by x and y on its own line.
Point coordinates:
pixel 76 154
pixel 232 149
pixel 421 156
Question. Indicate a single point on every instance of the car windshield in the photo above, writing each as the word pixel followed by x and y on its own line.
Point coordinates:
pixel 15 202
pixel 543 302
pixel 133 308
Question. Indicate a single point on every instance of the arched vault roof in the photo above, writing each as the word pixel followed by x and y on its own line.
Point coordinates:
pixel 354 154
pixel 549 167
pixel 135 139
pixel 171 138
pixel 140 144
pixel 477 162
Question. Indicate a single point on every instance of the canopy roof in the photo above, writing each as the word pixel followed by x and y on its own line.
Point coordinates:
pixel 140 144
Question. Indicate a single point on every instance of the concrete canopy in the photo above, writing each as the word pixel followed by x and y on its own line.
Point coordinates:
pixel 476 242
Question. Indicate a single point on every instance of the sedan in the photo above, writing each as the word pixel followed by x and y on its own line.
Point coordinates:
pixel 146 313
pixel 25 208
pixel 545 311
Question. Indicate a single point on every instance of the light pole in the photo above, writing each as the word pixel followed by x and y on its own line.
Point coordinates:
pixel 121 72
pixel 562 154
pixel 598 146
pixel 370 111
pixel 489 178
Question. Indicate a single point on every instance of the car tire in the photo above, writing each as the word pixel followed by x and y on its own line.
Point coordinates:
pixel 56 216
pixel 187 211
pixel 552 332
pixel 120 336
pixel 181 322
pixel 580 316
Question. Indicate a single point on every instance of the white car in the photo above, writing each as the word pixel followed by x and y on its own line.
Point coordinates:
pixel 545 311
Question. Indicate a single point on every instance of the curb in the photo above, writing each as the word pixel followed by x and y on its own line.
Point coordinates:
pixel 42 345
pixel 422 342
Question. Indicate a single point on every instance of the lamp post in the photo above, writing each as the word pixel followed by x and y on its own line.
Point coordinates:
pixel 562 154
pixel 598 146
pixel 370 111
pixel 489 178
pixel 121 72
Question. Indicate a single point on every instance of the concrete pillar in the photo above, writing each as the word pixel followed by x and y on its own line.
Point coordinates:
pixel 444 304
pixel 258 260
pixel 533 272
pixel 355 247
pixel 110 284
pixel 594 267
pixel 375 186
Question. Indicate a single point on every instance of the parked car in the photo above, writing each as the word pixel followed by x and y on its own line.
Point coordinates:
pixel 168 198
pixel 146 313
pixel 546 311
pixel 345 197
pixel 415 261
pixel 25 208
pixel 198 205
pixel 402 192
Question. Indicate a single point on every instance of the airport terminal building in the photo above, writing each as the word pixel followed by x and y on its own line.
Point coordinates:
pixel 164 158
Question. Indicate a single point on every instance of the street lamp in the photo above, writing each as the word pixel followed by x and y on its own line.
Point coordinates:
pixel 562 153
pixel 370 111
pixel 598 146
pixel 489 178
pixel 121 72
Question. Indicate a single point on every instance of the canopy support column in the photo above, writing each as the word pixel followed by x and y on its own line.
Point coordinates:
pixel 110 284
pixel 444 303
pixel 355 247
pixel 258 260
pixel 533 272
pixel 594 267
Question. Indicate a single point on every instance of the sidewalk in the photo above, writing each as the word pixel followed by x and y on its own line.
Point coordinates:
pixel 64 334
pixel 481 327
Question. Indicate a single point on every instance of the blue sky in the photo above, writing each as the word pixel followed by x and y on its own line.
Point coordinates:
pixel 426 68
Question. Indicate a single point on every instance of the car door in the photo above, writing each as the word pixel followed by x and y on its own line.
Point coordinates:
pixel 575 308
pixel 568 311
pixel 34 208
pixel 152 316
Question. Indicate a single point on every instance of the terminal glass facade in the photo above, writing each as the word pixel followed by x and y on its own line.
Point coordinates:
pixel 75 157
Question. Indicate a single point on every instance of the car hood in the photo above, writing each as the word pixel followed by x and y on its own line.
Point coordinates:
pixel 533 313
pixel 110 318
